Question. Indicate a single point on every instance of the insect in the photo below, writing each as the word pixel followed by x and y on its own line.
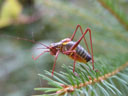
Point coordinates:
pixel 70 48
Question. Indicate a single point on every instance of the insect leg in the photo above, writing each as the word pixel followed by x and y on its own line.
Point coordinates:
pixel 74 63
pixel 35 58
pixel 75 45
pixel 68 52
pixel 78 26
pixel 55 62
pixel 71 52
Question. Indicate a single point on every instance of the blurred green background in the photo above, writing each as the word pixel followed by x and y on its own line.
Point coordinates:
pixel 50 21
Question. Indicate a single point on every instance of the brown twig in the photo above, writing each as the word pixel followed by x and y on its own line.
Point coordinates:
pixel 70 88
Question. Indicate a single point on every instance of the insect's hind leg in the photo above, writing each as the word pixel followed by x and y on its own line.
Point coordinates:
pixel 76 44
pixel 78 26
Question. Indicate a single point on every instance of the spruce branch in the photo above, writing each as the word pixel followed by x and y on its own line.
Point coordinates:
pixel 85 81
pixel 68 88
pixel 114 9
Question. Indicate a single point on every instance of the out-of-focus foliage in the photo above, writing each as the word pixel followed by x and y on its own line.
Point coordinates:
pixel 12 13
pixel 18 72
pixel 116 11
pixel 10 10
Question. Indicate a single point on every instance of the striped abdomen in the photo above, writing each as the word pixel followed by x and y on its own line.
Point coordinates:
pixel 81 53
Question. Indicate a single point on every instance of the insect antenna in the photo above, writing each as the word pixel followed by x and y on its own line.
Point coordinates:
pixel 41 48
pixel 19 38
pixel 45 45
pixel 33 41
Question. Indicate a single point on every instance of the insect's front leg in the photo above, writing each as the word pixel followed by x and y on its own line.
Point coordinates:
pixel 35 58
pixel 56 56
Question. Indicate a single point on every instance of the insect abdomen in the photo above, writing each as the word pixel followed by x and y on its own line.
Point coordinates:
pixel 83 53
